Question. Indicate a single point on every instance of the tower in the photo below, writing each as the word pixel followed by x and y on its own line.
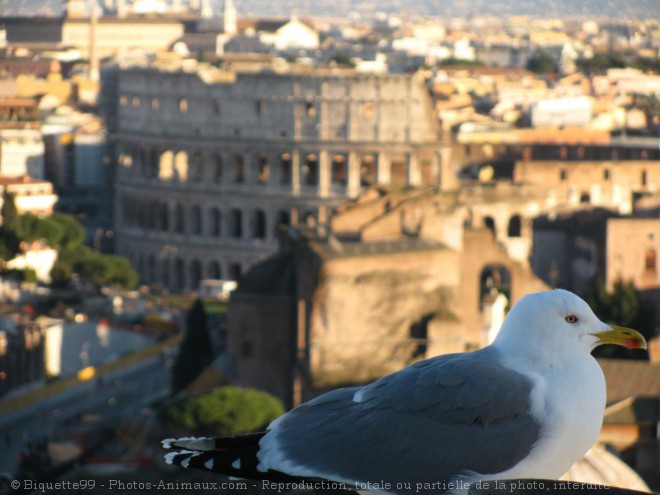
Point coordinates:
pixel 230 18
pixel 205 10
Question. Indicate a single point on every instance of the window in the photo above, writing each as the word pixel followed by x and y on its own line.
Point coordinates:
pixel 263 169
pixel 135 101
pixel 236 224
pixel 515 226
pixel 650 262
pixel 563 175
pixel 239 169
pixel 217 106
pixel 215 223
pixel 285 168
pixel 183 105
pixel 123 100
pixel 218 168
pixel 155 104
pixel 261 106
pixel 645 178
pixel 310 109
pixel 606 174
pixel 259 224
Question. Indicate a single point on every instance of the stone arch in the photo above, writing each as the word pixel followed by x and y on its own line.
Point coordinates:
pixel 339 170
pixel 263 169
pixel 198 166
pixel 218 169
pixel 234 271
pixel 494 277
pixel 239 168
pixel 367 170
pixel 515 226
pixel 258 224
pixel 286 173
pixel 195 273
pixel 311 170
pixel 196 220
pixel 179 274
pixel 164 213
pixel 215 222
pixel 153 214
pixel 214 270
pixel 166 166
pixel 236 223
pixel 179 219
pixel 398 171
pixel 181 165
pixel 650 262
pixel 489 223
pixel 153 163
pixel 283 218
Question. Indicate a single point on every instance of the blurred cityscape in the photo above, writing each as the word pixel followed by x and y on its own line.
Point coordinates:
pixel 347 187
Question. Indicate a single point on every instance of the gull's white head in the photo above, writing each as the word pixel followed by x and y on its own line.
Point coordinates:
pixel 558 321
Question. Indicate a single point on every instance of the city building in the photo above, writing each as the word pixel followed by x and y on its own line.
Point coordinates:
pixel 398 276
pixel 211 162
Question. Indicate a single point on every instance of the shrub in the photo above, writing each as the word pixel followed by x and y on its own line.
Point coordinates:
pixel 222 411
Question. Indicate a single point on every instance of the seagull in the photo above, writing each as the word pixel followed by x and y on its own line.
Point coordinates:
pixel 527 406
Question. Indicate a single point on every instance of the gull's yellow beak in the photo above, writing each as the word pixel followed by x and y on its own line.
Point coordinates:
pixel 626 337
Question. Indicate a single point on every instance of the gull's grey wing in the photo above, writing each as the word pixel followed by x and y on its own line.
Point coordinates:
pixel 430 422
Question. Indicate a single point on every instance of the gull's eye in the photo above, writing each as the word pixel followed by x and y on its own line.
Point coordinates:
pixel 571 319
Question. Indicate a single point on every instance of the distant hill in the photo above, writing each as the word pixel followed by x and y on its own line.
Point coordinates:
pixel 597 9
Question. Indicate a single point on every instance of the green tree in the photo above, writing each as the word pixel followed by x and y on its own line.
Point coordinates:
pixel 601 62
pixel 542 62
pixel 32 228
pixel 196 350
pixel 222 411
pixel 622 306
pixel 73 233
pixel 10 242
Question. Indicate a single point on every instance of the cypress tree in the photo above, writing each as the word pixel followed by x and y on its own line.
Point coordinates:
pixel 196 350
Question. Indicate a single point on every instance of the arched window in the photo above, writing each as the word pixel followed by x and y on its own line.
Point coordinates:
pixel 489 223
pixel 285 168
pixel 195 271
pixel 311 170
pixel 650 262
pixel 218 168
pixel 179 219
pixel 215 270
pixel 263 169
pixel 236 223
pixel 215 222
pixel 259 224
pixel 339 170
pixel 181 166
pixel 196 220
pixel 515 226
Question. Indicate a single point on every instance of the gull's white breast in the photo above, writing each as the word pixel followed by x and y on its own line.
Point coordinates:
pixel 569 401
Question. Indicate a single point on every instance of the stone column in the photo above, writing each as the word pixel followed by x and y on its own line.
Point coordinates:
pixel 295 171
pixel 324 173
pixel 448 179
pixel 384 169
pixel 414 172
pixel 353 188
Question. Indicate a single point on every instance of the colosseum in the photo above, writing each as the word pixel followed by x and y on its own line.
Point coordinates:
pixel 212 162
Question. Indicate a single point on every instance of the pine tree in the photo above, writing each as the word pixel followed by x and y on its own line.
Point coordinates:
pixel 196 350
